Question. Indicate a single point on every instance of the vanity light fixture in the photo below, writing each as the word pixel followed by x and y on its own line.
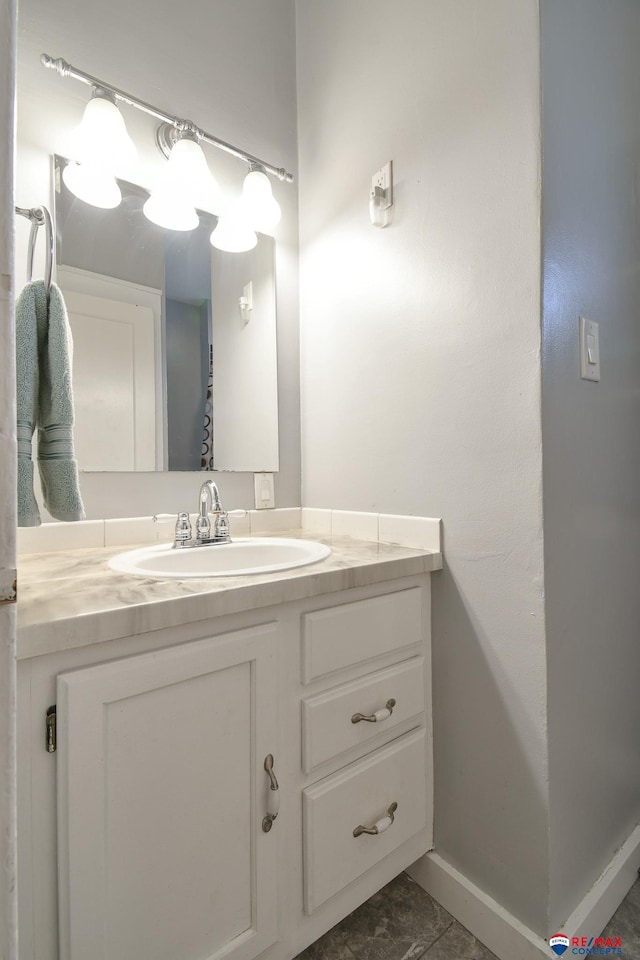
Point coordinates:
pixel 102 148
pixel 187 182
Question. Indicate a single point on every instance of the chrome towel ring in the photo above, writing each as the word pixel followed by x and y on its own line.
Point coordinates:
pixel 39 216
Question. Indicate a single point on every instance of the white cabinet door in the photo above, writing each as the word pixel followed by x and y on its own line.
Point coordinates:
pixel 161 795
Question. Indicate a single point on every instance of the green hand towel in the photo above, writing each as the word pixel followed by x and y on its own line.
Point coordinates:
pixel 26 400
pixel 44 352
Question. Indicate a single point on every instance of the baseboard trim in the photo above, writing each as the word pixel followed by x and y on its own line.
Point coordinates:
pixel 503 933
pixel 596 909
pixel 494 926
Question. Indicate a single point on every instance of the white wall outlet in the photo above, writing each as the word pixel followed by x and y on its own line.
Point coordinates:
pixel 589 349
pixel 265 496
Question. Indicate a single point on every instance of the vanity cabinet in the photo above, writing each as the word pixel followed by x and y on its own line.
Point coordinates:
pixel 161 794
pixel 143 837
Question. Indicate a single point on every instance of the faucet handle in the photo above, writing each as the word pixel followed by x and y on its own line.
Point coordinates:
pixel 203 527
pixel 183 530
pixel 221 525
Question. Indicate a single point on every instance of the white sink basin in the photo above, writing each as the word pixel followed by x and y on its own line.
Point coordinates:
pixel 236 559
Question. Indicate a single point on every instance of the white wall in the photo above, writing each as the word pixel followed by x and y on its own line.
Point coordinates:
pixel 228 66
pixel 8 905
pixel 420 366
pixel 591 136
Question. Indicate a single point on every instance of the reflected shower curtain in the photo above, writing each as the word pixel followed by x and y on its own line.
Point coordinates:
pixel 206 462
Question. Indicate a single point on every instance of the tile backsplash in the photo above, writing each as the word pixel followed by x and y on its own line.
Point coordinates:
pixel 423 533
pixel 420 532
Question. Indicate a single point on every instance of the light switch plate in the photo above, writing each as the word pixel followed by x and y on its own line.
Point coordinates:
pixel 265 496
pixel 589 349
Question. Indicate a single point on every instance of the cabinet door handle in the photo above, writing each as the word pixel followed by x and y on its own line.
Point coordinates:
pixel 383 714
pixel 380 825
pixel 273 800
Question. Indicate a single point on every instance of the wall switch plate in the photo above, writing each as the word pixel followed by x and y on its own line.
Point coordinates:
pixel 589 349
pixel 265 496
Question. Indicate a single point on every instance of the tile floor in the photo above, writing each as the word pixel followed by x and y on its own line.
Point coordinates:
pixel 402 922
pixel 625 923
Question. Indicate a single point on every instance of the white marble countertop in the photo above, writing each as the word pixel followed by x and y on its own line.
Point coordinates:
pixel 72 598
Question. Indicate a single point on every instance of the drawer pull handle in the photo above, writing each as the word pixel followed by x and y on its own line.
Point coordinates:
pixel 380 826
pixel 273 801
pixel 383 714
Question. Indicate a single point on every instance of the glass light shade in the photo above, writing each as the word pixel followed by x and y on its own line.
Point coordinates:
pixel 259 205
pixel 189 174
pixel 187 178
pixel 185 183
pixel 233 235
pixel 102 139
pixel 167 212
pixel 92 184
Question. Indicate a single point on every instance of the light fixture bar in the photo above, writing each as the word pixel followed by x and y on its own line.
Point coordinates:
pixel 65 69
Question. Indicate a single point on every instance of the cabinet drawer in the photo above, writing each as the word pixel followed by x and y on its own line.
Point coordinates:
pixel 327 719
pixel 355 632
pixel 361 795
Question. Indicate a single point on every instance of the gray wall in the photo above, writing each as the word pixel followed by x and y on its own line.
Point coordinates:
pixel 421 374
pixel 591 135
pixel 8 905
pixel 230 67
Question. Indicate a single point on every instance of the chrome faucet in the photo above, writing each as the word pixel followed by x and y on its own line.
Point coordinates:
pixel 209 502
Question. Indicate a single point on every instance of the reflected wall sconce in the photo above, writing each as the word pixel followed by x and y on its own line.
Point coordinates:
pixel 381 196
pixel 103 150
pixel 246 301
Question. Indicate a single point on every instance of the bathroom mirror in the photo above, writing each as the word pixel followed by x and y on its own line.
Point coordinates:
pixel 174 341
